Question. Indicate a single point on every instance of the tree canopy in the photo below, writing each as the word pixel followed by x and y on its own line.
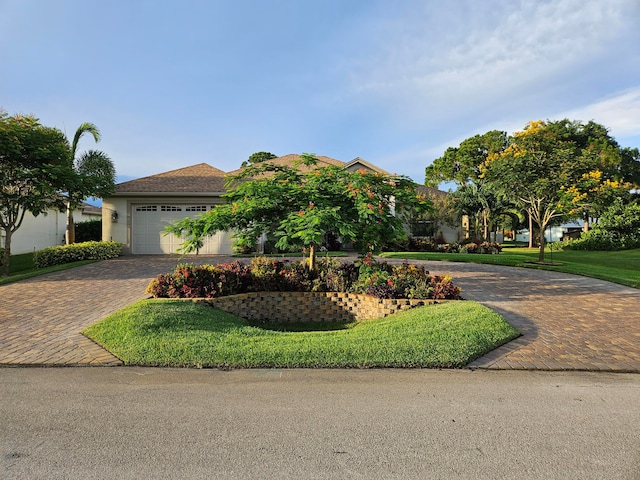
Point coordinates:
pixel 546 166
pixel 461 164
pixel 95 175
pixel 35 166
pixel 300 207
pixel 258 157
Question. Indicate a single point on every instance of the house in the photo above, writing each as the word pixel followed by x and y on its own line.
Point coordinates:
pixel 442 224
pixel 138 212
pixel 48 230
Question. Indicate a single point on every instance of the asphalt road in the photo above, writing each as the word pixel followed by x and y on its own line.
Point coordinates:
pixel 89 423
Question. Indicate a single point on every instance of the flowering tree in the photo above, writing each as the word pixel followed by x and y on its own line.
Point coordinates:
pixel 554 169
pixel 300 204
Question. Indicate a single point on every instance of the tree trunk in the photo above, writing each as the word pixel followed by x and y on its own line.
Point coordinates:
pixel 542 240
pixel 486 225
pixel 530 229
pixel 70 232
pixel 585 228
pixel 312 257
pixel 6 257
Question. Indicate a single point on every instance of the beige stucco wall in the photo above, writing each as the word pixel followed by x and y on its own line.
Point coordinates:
pixel 115 231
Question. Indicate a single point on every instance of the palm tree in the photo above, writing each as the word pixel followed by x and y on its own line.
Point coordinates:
pixel 95 176
pixel 478 201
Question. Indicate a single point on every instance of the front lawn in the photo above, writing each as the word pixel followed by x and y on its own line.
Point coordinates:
pixel 186 334
pixel 23 267
pixel 621 267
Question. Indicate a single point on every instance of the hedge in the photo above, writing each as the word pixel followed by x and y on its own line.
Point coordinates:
pixel 76 252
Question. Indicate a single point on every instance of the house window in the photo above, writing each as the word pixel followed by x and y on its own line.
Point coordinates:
pixel 147 208
pixel 170 208
pixel 196 208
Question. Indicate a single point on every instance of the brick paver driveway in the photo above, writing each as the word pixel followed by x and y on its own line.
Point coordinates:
pixel 41 318
pixel 568 322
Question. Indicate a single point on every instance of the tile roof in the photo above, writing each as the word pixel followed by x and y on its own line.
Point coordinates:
pixel 430 191
pixel 203 178
pixel 200 178
pixel 289 161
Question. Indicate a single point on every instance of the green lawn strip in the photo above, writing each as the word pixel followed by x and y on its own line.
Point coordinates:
pixel 21 262
pixel 186 334
pixel 34 272
pixel 621 267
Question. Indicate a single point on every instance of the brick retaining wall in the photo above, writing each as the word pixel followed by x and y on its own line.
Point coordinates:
pixel 287 307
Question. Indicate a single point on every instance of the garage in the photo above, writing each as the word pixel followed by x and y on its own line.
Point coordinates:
pixel 148 222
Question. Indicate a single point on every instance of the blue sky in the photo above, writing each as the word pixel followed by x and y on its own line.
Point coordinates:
pixel 172 84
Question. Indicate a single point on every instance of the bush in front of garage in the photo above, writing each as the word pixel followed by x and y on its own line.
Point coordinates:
pixel 76 252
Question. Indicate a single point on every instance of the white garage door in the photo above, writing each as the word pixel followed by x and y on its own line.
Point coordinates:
pixel 149 221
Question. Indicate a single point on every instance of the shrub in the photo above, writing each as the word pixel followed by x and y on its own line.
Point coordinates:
pixel 189 281
pixel 490 248
pixel 619 229
pixel 334 276
pixel 366 275
pixel 202 281
pixel 593 240
pixel 233 277
pixel 265 274
pixel 443 288
pixel 421 244
pixel 89 231
pixel 450 247
pixel 76 252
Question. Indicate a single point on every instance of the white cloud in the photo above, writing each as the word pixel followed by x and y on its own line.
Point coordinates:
pixel 441 63
pixel 620 113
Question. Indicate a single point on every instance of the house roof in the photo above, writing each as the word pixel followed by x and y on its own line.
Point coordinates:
pixel 89 209
pixel 205 179
pixel 361 162
pixel 292 158
pixel 430 191
pixel 200 178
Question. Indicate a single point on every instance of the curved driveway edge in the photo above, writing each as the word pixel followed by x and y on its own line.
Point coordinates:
pixel 41 318
pixel 567 322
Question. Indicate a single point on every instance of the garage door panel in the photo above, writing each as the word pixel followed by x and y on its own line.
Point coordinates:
pixel 148 227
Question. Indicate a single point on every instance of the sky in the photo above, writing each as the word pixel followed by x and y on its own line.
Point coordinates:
pixel 176 83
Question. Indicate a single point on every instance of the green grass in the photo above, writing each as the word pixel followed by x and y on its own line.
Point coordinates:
pixel 186 334
pixel 621 267
pixel 21 263
pixel 22 267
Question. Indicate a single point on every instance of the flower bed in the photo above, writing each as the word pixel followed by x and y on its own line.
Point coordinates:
pixel 364 276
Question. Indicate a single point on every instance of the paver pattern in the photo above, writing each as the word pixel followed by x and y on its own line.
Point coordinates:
pixel 41 318
pixel 567 322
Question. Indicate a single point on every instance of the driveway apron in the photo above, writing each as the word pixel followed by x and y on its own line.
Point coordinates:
pixel 41 318
pixel 567 322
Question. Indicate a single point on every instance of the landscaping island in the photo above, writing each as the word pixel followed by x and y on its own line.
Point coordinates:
pixel 179 333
